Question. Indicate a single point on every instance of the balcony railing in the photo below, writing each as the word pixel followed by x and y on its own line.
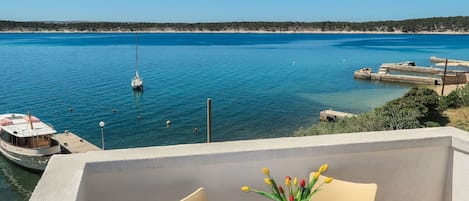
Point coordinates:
pixel 429 164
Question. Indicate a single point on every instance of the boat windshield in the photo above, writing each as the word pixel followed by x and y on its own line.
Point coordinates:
pixel 26 142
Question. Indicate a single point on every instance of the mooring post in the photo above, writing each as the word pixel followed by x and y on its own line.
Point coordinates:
pixel 444 78
pixel 209 120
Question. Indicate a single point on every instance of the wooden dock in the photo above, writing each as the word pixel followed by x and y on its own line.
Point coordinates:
pixel 71 143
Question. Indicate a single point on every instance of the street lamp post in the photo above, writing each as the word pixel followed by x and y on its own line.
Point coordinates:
pixel 102 124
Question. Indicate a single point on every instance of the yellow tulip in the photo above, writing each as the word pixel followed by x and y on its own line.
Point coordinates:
pixel 316 175
pixel 328 180
pixel 323 168
pixel 266 171
pixel 295 181
pixel 246 189
pixel 268 181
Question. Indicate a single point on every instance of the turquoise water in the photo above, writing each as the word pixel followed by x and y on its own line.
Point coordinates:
pixel 261 85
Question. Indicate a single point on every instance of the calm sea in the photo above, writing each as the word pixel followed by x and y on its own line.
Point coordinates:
pixel 261 85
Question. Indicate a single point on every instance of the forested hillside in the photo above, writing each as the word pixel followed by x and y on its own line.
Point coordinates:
pixel 437 24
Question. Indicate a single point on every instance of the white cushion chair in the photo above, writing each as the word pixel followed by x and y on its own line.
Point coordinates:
pixel 339 190
pixel 197 195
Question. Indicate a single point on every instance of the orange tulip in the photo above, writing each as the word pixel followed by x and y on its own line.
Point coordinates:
pixel 288 181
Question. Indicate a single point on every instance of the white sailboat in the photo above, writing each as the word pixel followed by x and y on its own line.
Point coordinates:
pixel 137 82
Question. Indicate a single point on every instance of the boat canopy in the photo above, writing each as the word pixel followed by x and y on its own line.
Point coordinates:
pixel 5 122
pixel 21 125
pixel 31 119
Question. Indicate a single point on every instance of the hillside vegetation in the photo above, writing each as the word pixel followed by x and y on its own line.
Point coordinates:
pixel 418 108
pixel 458 117
pixel 436 24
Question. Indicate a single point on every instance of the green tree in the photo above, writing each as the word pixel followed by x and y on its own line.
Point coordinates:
pixel 414 109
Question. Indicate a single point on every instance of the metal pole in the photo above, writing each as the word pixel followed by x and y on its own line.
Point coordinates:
pixel 102 137
pixel 444 77
pixel 102 124
pixel 209 120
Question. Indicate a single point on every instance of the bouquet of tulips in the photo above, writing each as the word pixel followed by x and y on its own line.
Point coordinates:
pixel 292 191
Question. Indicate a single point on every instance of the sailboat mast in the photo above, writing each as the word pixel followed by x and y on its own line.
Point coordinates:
pixel 137 83
pixel 136 52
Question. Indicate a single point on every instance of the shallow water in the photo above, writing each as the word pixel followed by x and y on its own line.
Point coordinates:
pixel 261 85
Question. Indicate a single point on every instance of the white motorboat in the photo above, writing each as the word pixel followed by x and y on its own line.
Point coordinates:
pixel 27 141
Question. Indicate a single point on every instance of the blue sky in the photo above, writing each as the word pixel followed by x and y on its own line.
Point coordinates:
pixel 227 10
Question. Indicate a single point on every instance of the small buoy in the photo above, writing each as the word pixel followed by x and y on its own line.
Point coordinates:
pixel 139 116
pixel 70 109
pixel 168 123
pixel 114 110
pixel 196 130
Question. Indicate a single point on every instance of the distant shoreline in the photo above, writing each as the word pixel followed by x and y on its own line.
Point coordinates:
pixel 252 32
pixel 437 25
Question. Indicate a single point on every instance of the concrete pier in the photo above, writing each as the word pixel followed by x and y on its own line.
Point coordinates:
pixel 332 116
pixel 406 67
pixel 409 79
pixel 367 73
pixel 451 62
pixel 72 144
pixel 452 76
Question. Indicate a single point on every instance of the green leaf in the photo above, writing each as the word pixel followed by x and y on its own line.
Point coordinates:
pixel 306 193
pixel 274 185
pixel 311 184
pixel 268 195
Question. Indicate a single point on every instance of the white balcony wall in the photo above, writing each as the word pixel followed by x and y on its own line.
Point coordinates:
pixel 419 164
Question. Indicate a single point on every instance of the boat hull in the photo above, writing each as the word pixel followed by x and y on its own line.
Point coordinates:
pixel 137 88
pixel 137 84
pixel 33 162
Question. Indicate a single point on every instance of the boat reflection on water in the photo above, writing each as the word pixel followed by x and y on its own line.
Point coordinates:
pixel 18 182
pixel 137 101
